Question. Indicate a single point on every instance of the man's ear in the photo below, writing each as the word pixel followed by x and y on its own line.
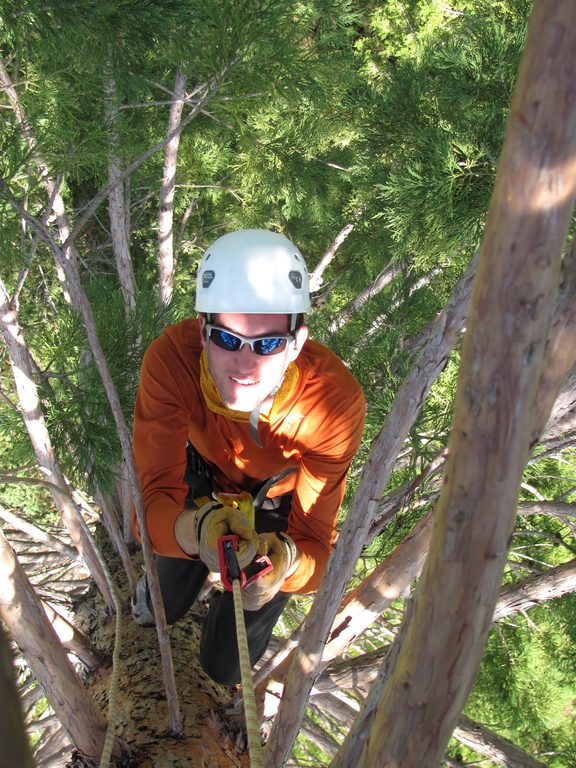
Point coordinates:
pixel 202 319
pixel 299 338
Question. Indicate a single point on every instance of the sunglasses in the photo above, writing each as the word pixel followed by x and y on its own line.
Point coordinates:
pixel 232 342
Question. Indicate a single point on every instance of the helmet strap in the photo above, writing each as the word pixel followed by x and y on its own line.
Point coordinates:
pixel 253 424
pixel 254 418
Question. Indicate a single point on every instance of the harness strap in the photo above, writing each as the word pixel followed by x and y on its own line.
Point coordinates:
pixel 263 490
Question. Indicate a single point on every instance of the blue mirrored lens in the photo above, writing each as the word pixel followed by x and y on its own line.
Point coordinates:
pixel 226 340
pixel 270 345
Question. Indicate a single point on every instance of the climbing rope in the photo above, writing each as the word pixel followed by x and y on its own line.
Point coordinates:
pixel 110 737
pixel 250 712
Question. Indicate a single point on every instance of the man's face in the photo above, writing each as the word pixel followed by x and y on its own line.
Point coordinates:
pixel 244 378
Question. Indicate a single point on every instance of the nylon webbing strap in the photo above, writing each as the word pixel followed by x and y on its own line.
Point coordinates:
pixel 263 491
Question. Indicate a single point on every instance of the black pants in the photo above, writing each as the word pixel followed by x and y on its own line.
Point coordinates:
pixel 181 581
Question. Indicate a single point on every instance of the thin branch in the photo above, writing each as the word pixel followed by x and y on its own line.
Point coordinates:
pixel 36 533
pixel 316 278
pixel 210 89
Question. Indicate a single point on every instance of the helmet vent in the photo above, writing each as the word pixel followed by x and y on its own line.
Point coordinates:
pixel 295 278
pixel 207 278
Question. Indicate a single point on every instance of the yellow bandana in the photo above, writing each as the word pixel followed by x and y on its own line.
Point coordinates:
pixel 214 401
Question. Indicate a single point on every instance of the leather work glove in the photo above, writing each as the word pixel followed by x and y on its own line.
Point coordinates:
pixel 215 519
pixel 282 553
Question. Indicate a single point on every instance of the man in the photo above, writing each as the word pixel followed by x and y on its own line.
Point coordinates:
pixel 240 400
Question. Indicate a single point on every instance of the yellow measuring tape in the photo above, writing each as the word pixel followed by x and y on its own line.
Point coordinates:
pixel 244 502
pixel 250 712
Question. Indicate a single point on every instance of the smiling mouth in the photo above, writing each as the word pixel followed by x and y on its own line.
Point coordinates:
pixel 243 382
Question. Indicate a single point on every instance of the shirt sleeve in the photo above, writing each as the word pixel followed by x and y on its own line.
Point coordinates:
pixel 161 415
pixel 320 486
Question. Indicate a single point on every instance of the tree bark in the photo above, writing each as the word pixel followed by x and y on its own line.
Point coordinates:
pixel 434 661
pixel 15 750
pixel 166 260
pixel 533 590
pixel 46 656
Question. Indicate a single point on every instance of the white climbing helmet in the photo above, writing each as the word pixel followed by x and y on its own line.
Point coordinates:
pixel 253 271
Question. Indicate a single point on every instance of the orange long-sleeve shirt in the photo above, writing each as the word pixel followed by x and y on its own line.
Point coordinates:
pixel 315 426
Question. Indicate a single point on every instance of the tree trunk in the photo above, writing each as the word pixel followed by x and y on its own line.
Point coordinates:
pixel 363 509
pixel 435 659
pixel 15 750
pixel 46 656
pixel 166 261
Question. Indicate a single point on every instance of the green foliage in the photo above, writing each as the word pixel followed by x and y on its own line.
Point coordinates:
pixel 437 122
pixel 529 668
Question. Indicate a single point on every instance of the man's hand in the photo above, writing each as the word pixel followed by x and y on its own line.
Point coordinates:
pixel 284 556
pixel 215 520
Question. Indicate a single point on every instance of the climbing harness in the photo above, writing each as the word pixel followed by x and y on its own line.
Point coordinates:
pixel 234 579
